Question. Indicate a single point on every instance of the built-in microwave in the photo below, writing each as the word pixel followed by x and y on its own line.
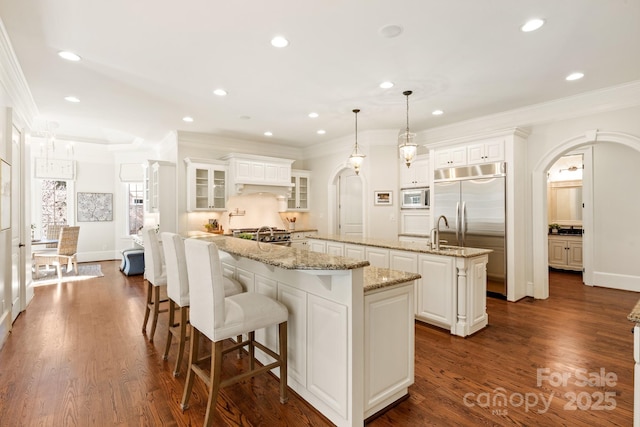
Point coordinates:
pixel 414 198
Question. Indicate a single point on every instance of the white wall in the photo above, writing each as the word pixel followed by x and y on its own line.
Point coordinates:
pixel 614 258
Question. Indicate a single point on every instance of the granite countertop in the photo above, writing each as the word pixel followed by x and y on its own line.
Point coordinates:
pixel 634 316
pixel 281 256
pixel 455 251
pixel 377 278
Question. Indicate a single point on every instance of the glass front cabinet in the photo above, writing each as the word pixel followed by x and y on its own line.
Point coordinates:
pixel 206 185
pixel 299 200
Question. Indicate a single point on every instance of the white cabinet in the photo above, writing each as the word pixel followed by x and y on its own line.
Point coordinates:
pixel 206 185
pixel 450 157
pixel 247 169
pixel 415 221
pixel 389 330
pixel 300 239
pixel 296 302
pixel 354 251
pixel 317 246
pixel 565 252
pixel 434 292
pixel 377 257
pixel 485 152
pixel 403 261
pixel 160 194
pixel 335 248
pixel 415 176
pixel 299 200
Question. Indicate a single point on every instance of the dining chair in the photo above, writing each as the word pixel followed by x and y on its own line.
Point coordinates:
pixel 66 252
pixel 53 232
pixel 218 317
pixel 156 277
pixel 178 293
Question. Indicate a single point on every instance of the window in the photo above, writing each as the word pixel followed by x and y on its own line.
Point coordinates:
pixel 54 204
pixel 135 207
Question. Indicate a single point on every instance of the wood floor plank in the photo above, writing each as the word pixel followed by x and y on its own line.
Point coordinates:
pixel 77 357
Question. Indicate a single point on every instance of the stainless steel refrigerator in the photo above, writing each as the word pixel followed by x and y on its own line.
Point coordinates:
pixel 472 198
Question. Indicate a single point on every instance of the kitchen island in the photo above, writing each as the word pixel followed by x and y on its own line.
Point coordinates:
pixel 350 328
pixel 452 290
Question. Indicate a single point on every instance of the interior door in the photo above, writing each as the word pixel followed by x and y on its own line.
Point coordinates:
pixel 350 204
pixel 17 248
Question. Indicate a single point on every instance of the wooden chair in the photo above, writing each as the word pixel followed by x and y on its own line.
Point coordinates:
pixel 218 317
pixel 156 276
pixel 178 293
pixel 66 252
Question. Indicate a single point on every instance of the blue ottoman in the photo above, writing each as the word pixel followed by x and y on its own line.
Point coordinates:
pixel 132 262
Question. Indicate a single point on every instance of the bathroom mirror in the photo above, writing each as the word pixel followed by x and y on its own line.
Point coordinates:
pixel 565 204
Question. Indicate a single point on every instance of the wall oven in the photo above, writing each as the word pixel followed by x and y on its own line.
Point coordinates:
pixel 415 198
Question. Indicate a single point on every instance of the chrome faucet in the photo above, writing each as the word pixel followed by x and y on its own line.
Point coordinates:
pixel 435 232
pixel 263 228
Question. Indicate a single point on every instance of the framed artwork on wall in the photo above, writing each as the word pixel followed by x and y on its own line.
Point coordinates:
pixel 383 198
pixel 93 207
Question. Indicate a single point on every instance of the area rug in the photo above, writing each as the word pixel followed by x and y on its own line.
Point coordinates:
pixel 85 271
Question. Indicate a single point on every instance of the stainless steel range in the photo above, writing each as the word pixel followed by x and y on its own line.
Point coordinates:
pixel 275 236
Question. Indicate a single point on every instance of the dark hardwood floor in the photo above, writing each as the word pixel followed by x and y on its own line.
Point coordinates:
pixel 77 357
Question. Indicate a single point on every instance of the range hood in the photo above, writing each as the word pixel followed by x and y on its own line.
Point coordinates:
pixel 251 174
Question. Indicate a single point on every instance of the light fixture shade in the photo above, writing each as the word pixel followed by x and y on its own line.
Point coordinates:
pixel 408 148
pixel 356 158
pixel 406 144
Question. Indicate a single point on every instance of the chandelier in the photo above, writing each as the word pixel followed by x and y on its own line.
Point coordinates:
pixel 408 148
pixel 356 158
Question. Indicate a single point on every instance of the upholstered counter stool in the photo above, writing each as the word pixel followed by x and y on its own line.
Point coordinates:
pixel 132 261
pixel 178 293
pixel 156 275
pixel 218 317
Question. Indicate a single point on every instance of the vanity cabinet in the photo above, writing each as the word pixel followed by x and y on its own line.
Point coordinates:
pixel 565 252
pixel 299 200
pixel 206 185
pixel 417 175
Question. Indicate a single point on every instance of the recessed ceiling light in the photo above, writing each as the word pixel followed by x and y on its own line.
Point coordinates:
pixel 279 41
pixel 574 76
pixel 321 132
pixel 313 115
pixel 69 56
pixel 268 133
pixel 437 112
pixel 187 119
pixel 245 117
pixel 390 31
pixel 220 92
pixel 71 99
pixel 386 85
pixel 532 25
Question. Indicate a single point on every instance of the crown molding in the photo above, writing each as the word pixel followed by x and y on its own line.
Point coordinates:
pixel 236 145
pixel 612 98
pixel 14 83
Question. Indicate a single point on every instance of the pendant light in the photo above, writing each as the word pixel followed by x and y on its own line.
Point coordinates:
pixel 408 148
pixel 356 157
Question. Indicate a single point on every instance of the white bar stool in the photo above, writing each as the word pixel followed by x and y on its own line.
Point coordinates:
pixel 218 317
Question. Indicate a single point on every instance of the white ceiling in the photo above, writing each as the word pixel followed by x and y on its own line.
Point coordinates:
pixel 146 64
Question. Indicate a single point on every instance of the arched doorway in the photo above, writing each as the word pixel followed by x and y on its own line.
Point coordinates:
pixel 346 201
pixel 539 198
